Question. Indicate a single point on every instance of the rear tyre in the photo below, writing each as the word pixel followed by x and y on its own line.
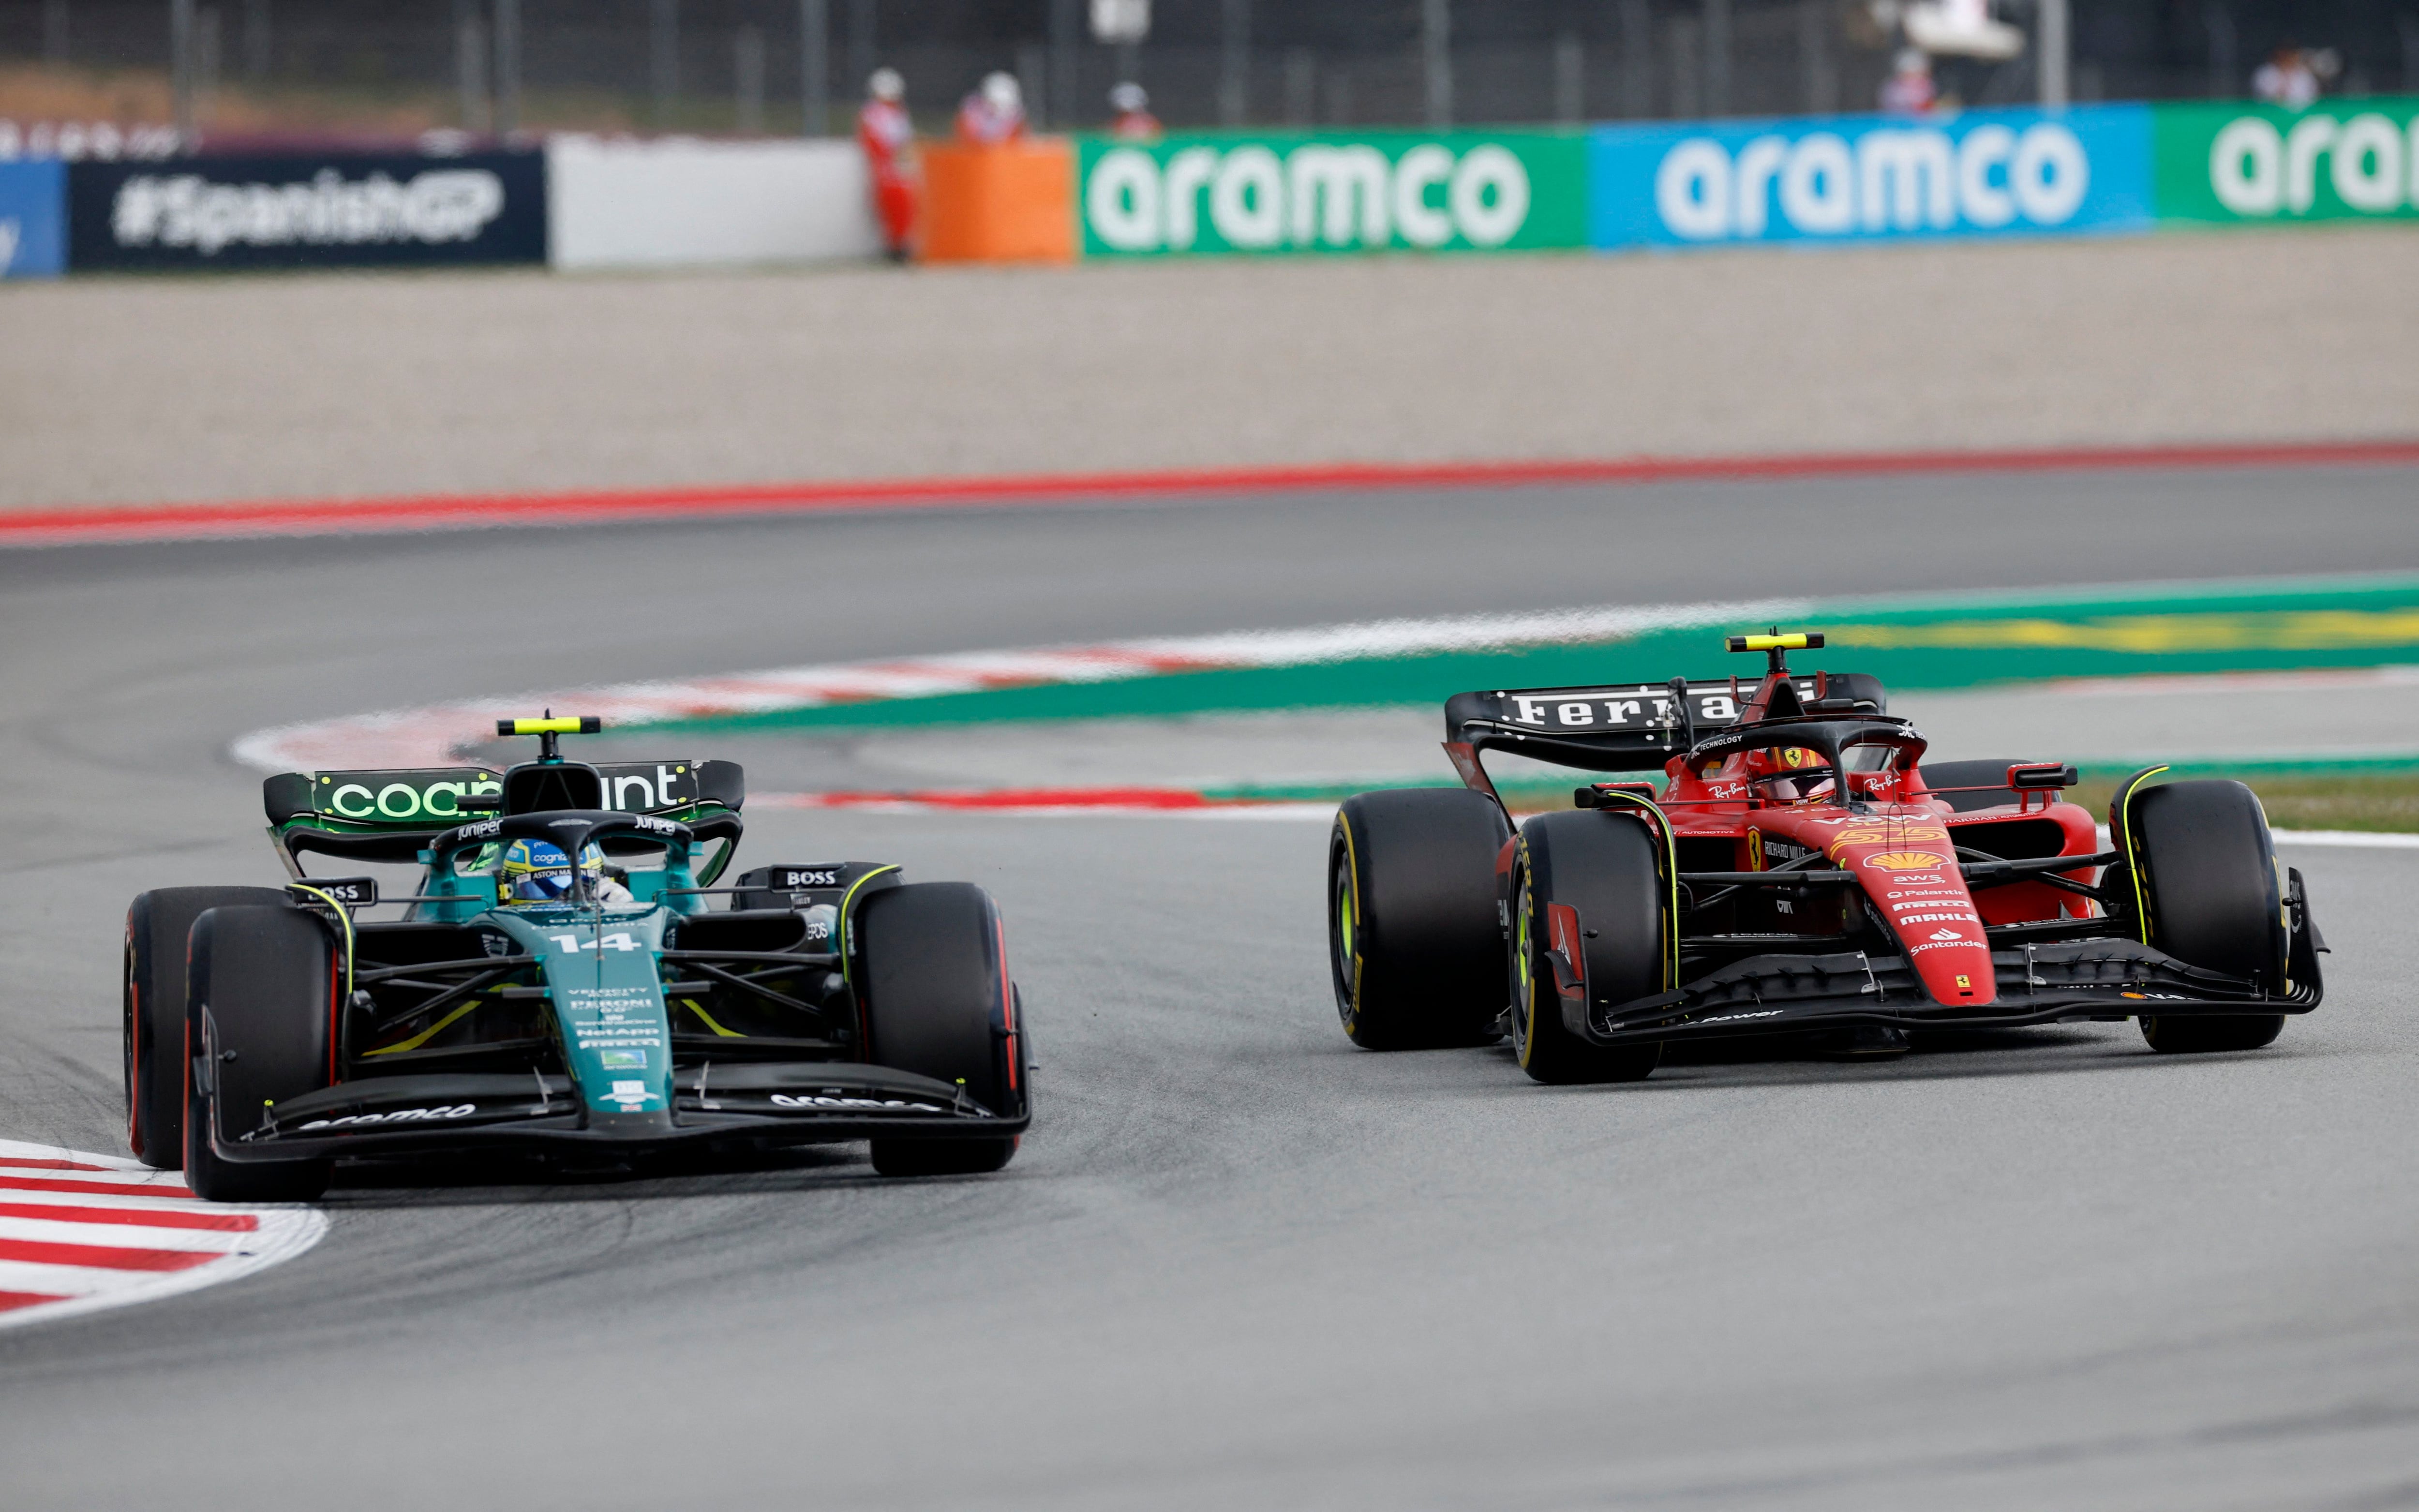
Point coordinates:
pixel 1414 945
pixel 259 1004
pixel 937 1002
pixel 1603 867
pixel 153 1018
pixel 2214 897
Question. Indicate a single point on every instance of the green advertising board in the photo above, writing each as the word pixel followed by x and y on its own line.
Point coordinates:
pixel 2250 164
pixel 1261 194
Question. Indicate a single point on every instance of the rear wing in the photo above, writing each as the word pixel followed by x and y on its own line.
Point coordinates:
pixel 389 816
pixel 1635 727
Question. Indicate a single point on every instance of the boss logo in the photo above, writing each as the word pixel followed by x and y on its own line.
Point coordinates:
pixel 800 879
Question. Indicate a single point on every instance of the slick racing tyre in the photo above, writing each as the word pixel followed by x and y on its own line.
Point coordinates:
pixel 1413 941
pixel 153 1020
pixel 938 1002
pixel 259 1009
pixel 1601 866
pixel 2212 895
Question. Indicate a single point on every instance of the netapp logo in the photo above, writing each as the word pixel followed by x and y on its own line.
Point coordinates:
pixel 188 211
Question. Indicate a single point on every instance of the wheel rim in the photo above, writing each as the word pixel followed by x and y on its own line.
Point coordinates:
pixel 1524 975
pixel 1343 933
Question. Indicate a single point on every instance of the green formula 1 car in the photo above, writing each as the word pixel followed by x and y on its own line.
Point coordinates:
pixel 559 982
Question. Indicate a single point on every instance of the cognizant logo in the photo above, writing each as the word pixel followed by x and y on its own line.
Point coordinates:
pixel 1887 180
pixel 1320 194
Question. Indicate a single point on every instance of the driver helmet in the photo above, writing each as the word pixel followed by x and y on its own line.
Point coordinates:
pixel 1779 762
pixel 537 871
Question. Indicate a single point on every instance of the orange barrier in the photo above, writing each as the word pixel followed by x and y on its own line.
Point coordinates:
pixel 1012 203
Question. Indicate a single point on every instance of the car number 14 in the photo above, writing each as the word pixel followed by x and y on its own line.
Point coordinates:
pixel 573 944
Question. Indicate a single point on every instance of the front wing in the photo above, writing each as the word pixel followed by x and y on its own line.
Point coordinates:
pixel 2040 983
pixel 758 1105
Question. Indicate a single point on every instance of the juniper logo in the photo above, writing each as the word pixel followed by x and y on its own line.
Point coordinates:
pixel 1310 195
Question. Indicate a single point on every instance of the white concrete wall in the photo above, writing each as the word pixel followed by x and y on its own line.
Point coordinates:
pixel 689 204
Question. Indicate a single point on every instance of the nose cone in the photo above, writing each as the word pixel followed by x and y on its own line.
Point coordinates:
pixel 1909 871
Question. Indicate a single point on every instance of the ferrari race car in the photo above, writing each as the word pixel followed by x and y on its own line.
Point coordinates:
pixel 597 1010
pixel 1802 869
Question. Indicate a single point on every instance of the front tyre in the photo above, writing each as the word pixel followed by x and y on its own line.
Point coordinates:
pixel 1413 942
pixel 2214 897
pixel 1601 869
pixel 152 1020
pixel 260 998
pixel 937 1001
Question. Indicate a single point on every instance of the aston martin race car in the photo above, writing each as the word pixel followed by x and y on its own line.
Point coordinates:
pixel 560 982
pixel 1801 869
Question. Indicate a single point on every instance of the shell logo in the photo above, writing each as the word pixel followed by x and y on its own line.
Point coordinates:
pixel 1905 860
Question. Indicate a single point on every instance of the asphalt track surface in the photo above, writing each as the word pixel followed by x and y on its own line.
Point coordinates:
pixel 1238 1264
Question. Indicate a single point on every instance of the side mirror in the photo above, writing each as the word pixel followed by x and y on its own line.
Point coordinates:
pixel 2039 775
pixel 479 803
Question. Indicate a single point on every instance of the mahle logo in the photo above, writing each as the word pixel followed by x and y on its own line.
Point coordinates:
pixel 1315 195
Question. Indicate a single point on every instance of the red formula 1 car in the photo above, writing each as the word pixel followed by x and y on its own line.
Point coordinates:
pixel 1802 869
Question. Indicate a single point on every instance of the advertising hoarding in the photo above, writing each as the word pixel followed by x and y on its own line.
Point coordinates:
pixel 317 210
pixel 1263 194
pixel 1848 179
pixel 691 203
pixel 2258 164
pixel 32 218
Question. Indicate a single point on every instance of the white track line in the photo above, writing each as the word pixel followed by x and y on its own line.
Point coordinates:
pixel 80 1232
pixel 430 736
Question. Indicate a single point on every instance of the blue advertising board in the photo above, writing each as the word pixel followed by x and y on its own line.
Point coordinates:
pixel 1980 173
pixel 32 218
